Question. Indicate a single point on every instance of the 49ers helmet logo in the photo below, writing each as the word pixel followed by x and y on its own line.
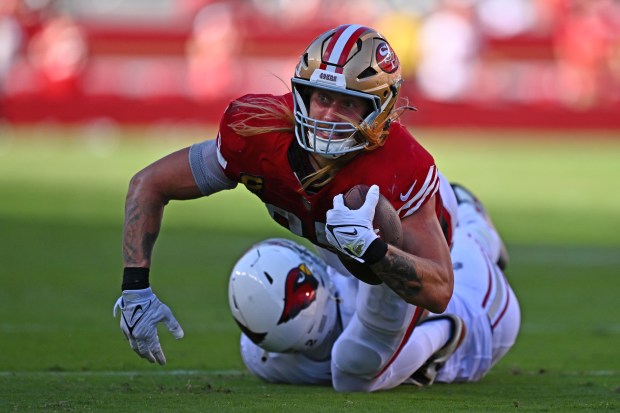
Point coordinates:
pixel 386 58
pixel 299 292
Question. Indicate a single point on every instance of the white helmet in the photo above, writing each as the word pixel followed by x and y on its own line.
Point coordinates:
pixel 281 297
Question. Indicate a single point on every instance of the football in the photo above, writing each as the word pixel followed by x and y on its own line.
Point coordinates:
pixel 387 224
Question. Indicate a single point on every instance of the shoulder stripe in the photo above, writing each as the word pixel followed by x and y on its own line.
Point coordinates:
pixel 427 195
pixel 428 189
pixel 220 158
pixel 430 176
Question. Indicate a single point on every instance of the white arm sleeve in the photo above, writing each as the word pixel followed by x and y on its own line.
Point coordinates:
pixel 207 171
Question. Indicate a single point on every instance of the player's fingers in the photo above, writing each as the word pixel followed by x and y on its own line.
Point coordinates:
pixel 171 322
pixel 156 351
pixel 133 344
pixel 174 327
pixel 143 350
pixel 159 356
pixel 339 202
pixel 372 199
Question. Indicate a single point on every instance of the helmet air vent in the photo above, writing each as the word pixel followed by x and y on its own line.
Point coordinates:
pixel 369 71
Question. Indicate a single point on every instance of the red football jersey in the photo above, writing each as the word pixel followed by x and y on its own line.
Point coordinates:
pixel 403 169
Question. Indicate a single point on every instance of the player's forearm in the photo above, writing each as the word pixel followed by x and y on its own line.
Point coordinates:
pixel 143 215
pixel 418 281
pixel 149 191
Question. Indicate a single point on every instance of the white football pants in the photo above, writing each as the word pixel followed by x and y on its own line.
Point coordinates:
pixel 375 350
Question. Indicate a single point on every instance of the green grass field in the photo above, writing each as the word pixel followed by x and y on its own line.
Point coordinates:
pixel 554 197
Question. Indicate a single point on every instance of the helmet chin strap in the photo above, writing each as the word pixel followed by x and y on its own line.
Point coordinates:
pixel 320 145
pixel 330 156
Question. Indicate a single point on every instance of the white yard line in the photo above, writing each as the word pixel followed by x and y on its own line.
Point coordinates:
pixel 208 373
pixel 124 373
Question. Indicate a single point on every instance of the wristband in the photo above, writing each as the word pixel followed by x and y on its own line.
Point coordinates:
pixel 135 278
pixel 376 250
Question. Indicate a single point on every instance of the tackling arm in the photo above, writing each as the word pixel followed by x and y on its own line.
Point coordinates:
pixel 421 272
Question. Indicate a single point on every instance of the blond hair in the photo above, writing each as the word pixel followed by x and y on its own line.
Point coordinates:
pixel 264 109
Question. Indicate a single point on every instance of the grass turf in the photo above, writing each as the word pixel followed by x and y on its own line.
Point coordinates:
pixel 60 227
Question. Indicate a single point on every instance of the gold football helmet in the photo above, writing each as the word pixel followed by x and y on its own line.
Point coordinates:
pixel 353 60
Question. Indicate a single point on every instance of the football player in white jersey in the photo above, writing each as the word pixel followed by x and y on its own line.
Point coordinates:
pixel 296 312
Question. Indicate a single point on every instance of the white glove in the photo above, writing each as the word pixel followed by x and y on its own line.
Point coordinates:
pixel 350 230
pixel 141 311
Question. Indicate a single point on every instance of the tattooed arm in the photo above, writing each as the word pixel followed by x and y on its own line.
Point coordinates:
pixel 149 191
pixel 421 273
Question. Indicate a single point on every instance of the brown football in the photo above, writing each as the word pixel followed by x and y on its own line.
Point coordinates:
pixel 386 221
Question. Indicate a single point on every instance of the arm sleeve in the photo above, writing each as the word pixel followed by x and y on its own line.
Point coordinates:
pixel 206 169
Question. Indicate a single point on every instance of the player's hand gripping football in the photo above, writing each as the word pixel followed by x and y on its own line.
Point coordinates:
pixel 351 230
pixel 141 311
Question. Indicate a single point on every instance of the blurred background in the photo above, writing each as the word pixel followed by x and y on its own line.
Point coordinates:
pixel 515 63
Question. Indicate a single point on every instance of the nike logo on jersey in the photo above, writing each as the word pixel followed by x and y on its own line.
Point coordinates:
pixel 408 194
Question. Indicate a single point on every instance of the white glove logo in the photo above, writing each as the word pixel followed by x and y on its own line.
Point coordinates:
pixel 350 230
pixel 352 233
pixel 137 310
pixel 141 311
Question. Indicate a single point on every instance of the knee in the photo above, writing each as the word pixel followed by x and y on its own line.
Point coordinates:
pixel 356 358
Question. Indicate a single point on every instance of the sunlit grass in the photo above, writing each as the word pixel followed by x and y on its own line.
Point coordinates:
pixel 61 209
pixel 560 189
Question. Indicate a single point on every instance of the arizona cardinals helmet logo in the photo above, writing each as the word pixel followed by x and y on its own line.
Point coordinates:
pixel 299 292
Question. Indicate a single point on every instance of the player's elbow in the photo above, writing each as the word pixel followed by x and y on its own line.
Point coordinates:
pixel 442 295
pixel 439 303
pixel 435 296
pixel 143 187
pixel 137 185
pixel 434 299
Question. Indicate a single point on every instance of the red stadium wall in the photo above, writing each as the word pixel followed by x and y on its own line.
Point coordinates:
pixel 136 74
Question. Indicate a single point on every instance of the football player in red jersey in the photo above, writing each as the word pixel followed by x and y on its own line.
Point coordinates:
pixel 299 153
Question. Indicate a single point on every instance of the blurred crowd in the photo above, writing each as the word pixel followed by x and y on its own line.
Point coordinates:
pixel 523 52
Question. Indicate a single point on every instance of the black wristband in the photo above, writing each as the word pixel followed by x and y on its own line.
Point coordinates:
pixel 135 278
pixel 377 250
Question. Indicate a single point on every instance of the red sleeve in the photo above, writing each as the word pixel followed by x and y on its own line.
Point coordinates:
pixel 236 151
